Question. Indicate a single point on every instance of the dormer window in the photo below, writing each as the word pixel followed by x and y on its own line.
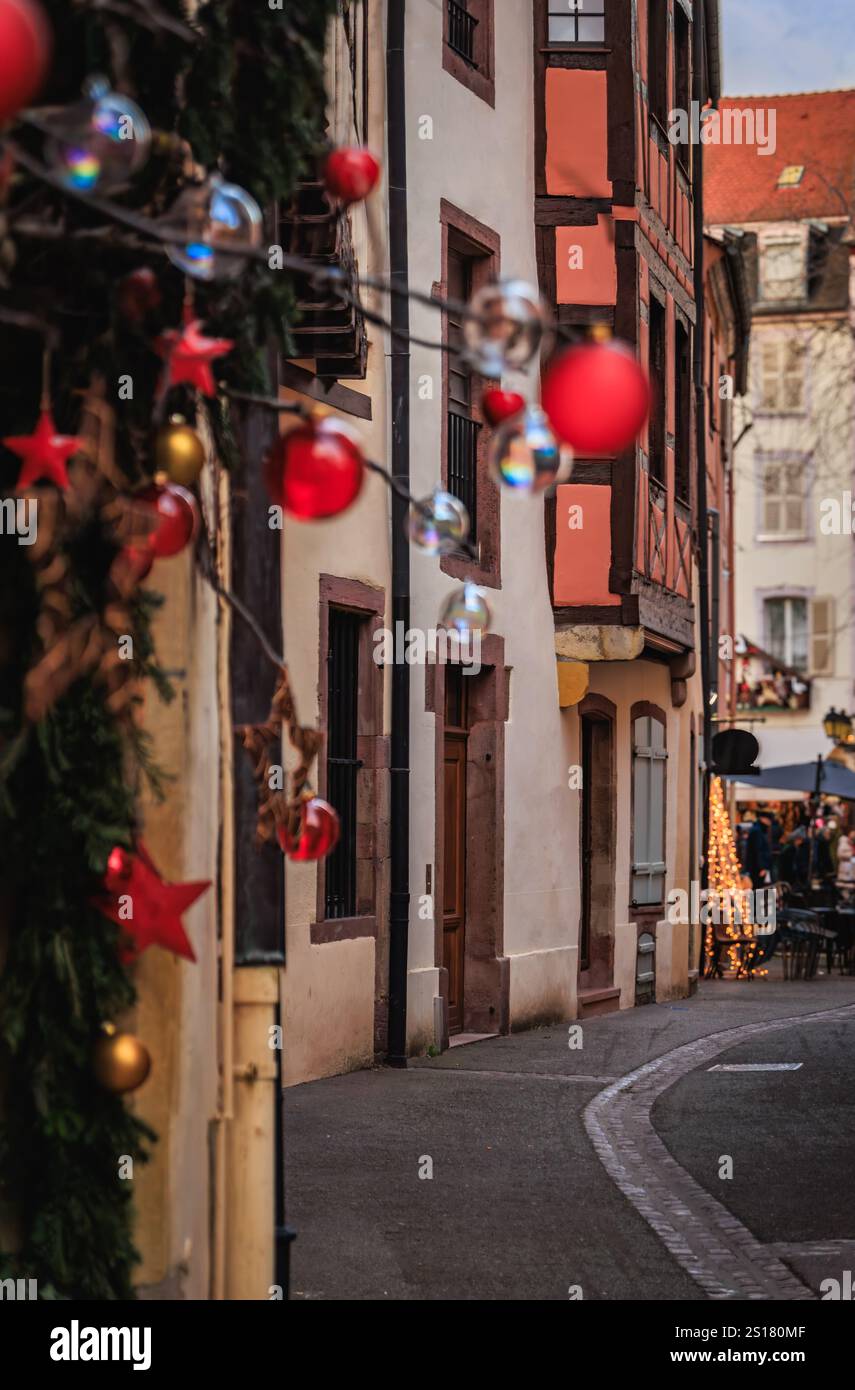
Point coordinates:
pixel 782 270
pixel 791 176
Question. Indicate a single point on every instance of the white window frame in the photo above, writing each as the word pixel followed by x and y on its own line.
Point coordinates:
pixel 788 600
pixel 575 11
pixel 785 498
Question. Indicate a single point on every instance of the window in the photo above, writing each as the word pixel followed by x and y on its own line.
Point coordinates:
pixel 470 260
pixel 461 31
pixel 786 629
pixel 342 763
pixel 649 768
pixel 468 45
pixel 782 270
pixel 783 499
pixel 656 435
pixel 463 431
pixel 782 363
pixel 577 21
pixel 657 59
pixel 352 765
pixel 683 408
pixel 791 176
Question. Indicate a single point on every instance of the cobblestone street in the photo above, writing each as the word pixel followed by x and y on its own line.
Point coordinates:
pixel 556 1168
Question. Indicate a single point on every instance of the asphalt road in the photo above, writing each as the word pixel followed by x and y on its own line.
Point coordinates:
pixel 790 1134
pixel 521 1206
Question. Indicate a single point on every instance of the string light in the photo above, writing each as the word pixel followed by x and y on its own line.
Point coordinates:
pixel 725 880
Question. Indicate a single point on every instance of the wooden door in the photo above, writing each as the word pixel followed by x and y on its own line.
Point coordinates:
pixel 597 923
pixel 454 874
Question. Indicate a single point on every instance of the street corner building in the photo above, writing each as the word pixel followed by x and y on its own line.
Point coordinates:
pixel 556 787
pixel 790 212
pixel 513 813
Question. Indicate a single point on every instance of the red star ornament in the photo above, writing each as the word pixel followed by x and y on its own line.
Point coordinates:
pixel 155 906
pixel 188 355
pixel 45 453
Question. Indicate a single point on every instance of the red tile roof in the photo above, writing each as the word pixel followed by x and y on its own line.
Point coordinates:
pixel 816 129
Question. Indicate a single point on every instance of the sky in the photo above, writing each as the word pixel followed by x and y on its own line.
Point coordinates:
pixel 778 46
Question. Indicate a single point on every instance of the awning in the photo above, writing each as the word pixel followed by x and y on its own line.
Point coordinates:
pixel 744 793
pixel 834 779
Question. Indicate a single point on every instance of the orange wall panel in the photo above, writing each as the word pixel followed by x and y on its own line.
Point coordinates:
pixel 576 134
pixel 583 552
pixel 585 265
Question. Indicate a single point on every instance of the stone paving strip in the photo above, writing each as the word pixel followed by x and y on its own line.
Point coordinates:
pixel 715 1248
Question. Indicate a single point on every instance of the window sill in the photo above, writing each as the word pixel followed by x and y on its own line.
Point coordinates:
pixel 462 568
pixel 782 537
pixel 335 929
pixel 478 82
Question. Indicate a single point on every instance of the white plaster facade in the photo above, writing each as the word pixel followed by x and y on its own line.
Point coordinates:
pixel 814 559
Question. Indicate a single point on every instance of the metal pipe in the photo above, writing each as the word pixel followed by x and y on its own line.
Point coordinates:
pixel 699 95
pixel 399 895
pixel 715 615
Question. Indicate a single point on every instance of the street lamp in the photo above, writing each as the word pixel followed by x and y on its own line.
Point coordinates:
pixel 837 725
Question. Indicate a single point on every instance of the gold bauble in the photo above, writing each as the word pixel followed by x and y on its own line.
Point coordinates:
pixel 120 1061
pixel 179 452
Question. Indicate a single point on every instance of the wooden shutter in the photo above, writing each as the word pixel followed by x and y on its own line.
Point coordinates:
pixel 772 521
pixel 649 782
pixel 822 637
pixel 770 375
pixel 793 375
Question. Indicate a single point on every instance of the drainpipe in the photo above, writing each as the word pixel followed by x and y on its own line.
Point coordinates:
pixel 399 896
pixel 699 95
pixel 715 587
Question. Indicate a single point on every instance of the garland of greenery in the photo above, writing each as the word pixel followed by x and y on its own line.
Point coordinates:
pixel 247 93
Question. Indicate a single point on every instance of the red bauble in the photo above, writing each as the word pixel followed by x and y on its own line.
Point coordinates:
pixel 138 295
pixel 351 174
pixel 131 566
pixel 501 405
pixel 318 836
pixel 597 397
pixel 316 471
pixel 177 518
pixel 25 44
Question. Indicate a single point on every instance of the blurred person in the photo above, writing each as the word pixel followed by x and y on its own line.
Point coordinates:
pixel 758 852
pixel 794 861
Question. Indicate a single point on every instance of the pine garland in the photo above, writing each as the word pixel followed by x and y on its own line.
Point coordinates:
pixel 248 95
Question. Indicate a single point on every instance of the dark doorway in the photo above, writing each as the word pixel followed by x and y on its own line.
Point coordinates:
pixel 454 847
pixel 597 923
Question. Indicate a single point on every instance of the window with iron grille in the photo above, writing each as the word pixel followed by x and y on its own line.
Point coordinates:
pixel 469 45
pixel 461 31
pixel 683 413
pixel 463 430
pixel 577 21
pixel 657 59
pixel 342 763
pixel 656 427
